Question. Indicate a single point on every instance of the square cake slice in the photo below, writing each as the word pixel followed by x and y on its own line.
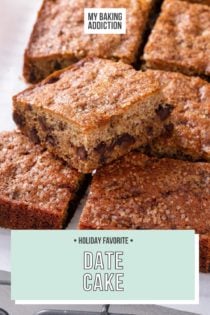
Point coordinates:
pixel 180 39
pixel 187 131
pixel 92 112
pixel 140 192
pixel 36 190
pixel 58 38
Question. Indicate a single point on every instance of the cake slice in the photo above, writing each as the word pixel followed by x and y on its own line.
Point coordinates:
pixel 180 39
pixel 92 112
pixel 58 38
pixel 140 192
pixel 187 131
pixel 36 190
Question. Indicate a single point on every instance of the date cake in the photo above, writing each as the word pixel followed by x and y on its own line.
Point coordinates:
pixel 187 131
pixel 36 190
pixel 58 38
pixel 180 39
pixel 92 112
pixel 141 192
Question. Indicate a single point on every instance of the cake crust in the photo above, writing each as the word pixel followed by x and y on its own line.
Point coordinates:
pixel 35 188
pixel 58 38
pixel 207 2
pixel 92 112
pixel 180 39
pixel 187 131
pixel 205 253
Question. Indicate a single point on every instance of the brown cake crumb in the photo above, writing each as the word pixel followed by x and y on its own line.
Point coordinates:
pixel 35 188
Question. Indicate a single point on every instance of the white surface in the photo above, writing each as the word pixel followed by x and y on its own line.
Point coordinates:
pixel 16 20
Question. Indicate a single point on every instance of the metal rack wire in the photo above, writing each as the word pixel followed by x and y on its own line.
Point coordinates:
pixel 104 311
pixel 3 312
pixel 5 282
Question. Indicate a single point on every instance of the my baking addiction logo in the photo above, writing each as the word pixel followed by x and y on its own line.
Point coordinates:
pixel 103 270
pixel 105 21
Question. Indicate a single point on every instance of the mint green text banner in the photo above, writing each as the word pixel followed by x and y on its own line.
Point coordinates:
pixel 103 265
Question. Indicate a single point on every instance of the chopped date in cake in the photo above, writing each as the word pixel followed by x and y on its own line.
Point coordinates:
pixel 164 111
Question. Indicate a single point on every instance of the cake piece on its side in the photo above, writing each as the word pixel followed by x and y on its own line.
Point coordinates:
pixel 139 192
pixel 92 112
pixel 58 38
pixel 36 190
pixel 180 39
pixel 187 132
